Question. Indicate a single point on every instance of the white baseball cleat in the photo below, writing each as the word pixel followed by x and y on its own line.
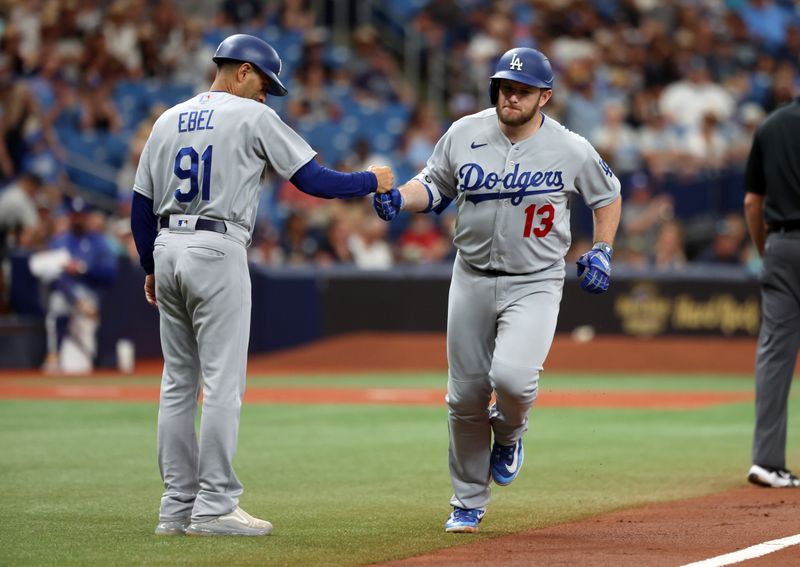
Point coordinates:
pixel 236 523
pixel 172 527
pixel 772 478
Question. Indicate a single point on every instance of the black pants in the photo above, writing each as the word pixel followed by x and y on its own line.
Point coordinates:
pixel 778 344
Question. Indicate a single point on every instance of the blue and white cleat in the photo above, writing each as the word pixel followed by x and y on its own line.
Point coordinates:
pixel 464 520
pixel 506 461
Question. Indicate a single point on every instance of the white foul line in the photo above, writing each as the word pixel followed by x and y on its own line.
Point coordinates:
pixel 748 553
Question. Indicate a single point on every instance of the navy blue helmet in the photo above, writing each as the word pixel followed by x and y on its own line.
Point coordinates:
pixel 257 52
pixel 524 65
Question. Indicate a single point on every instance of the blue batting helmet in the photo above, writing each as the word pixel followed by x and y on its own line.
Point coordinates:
pixel 524 65
pixel 257 52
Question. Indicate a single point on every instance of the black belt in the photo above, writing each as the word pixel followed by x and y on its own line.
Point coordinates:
pixel 493 272
pixel 202 224
pixel 787 226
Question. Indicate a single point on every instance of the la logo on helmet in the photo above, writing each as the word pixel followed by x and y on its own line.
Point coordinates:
pixel 516 62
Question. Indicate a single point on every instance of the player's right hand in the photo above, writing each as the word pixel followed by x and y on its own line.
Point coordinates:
pixel 385 177
pixel 388 205
pixel 150 289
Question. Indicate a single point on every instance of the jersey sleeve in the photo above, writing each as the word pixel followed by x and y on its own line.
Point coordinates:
pixel 283 147
pixel 438 172
pixel 595 181
pixel 754 179
pixel 143 182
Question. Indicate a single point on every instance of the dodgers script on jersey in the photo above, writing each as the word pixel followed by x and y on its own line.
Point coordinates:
pixel 217 144
pixel 513 199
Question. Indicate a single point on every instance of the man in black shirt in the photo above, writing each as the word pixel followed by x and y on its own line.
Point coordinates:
pixel 772 209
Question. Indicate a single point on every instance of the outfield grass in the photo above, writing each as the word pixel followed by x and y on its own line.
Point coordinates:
pixel 349 485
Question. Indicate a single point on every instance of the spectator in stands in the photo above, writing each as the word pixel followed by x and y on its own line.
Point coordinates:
pixel 364 42
pixel 707 147
pixel 335 246
pixel 750 116
pixel 660 144
pixel 84 264
pixel 238 12
pixel 767 21
pixel 643 213
pixel 382 82
pixel 617 141
pixel 493 38
pixel 96 61
pixel 265 249
pixel 369 247
pixel 422 242
pixel 782 85
pixel 669 253
pixel 298 242
pixel 44 158
pixel 727 246
pixel 584 107
pixel 122 36
pixel 788 50
pixel 188 57
pixel 420 136
pixel 311 100
pixel 98 111
pixel 19 112
pixel 19 217
pixel 363 156
pixel 689 100
pixel 295 16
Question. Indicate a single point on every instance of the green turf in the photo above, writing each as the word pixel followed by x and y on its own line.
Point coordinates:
pixel 554 381
pixel 348 485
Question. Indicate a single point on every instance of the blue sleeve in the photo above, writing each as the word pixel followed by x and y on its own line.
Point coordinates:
pixel 320 181
pixel 144 227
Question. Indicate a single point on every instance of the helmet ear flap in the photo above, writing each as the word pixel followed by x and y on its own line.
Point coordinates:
pixel 494 90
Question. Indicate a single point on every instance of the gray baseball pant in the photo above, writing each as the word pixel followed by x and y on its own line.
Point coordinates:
pixel 499 331
pixel 203 292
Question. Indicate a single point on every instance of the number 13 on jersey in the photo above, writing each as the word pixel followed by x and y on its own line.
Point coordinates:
pixel 193 174
pixel 544 214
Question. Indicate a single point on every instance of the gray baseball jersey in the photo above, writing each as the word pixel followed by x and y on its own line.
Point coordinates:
pixel 512 199
pixel 217 145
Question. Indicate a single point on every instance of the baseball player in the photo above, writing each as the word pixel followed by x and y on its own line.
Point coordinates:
pixel 194 205
pixel 511 171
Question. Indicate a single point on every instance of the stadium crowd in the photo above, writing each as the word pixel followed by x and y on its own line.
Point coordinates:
pixel 669 91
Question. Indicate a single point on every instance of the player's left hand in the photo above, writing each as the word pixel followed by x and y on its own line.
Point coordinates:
pixel 388 205
pixel 594 268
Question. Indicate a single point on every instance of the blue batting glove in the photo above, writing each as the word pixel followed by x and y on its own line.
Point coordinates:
pixel 388 205
pixel 594 268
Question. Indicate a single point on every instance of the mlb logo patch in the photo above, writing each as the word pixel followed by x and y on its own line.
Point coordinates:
pixel 183 222
pixel 206 98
